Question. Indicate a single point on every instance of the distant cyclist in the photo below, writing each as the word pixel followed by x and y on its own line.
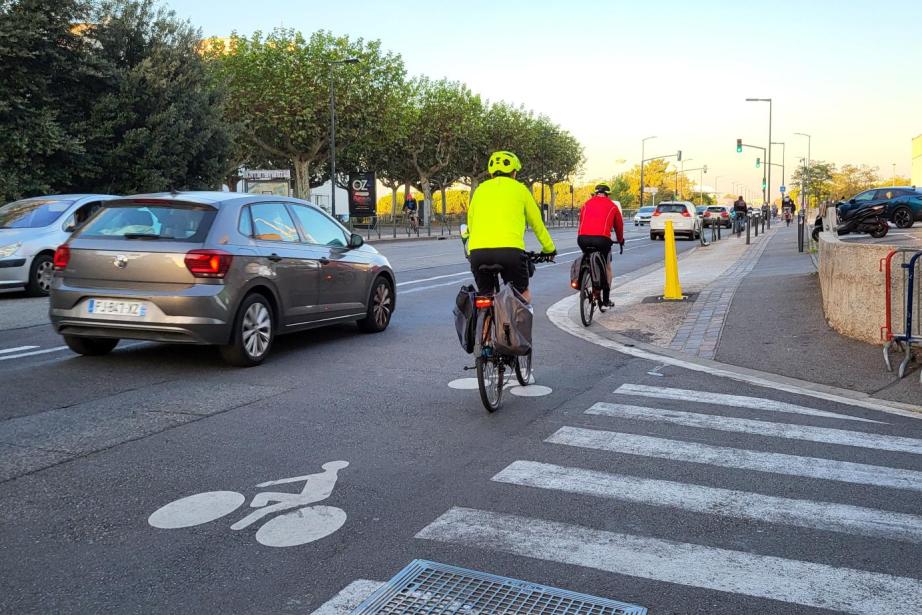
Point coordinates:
pixel 410 209
pixel 598 217
pixel 496 218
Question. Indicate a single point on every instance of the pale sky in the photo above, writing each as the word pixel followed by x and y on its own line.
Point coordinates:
pixel 848 72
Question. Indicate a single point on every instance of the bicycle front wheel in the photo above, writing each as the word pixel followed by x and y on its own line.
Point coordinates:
pixel 490 383
pixel 523 369
pixel 586 303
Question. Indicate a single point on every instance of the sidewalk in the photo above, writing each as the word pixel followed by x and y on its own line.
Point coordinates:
pixel 757 307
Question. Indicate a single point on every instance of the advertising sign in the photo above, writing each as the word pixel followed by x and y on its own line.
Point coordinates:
pixel 362 197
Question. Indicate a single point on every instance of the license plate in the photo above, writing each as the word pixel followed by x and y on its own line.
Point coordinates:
pixel 134 309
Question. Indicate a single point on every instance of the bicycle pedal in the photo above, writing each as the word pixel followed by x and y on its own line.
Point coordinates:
pixel 466 368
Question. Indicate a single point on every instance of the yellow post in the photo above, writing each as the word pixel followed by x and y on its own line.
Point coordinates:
pixel 673 290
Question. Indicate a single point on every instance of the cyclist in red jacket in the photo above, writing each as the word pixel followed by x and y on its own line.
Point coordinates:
pixel 597 218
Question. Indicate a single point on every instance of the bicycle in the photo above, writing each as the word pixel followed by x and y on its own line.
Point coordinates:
pixel 590 286
pixel 788 216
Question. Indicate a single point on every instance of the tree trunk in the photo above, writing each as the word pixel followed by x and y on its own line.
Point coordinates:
pixel 552 207
pixel 444 205
pixel 394 207
pixel 302 167
pixel 427 199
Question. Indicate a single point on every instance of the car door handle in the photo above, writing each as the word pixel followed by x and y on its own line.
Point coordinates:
pixel 324 261
pixel 274 257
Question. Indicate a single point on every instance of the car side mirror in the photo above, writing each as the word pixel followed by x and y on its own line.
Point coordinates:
pixel 356 241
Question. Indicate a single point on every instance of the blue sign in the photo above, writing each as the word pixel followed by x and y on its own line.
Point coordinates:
pixel 784 189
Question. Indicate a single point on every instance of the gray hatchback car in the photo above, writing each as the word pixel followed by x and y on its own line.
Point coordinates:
pixel 217 268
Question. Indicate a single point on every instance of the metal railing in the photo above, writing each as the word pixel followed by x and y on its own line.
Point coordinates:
pixel 902 326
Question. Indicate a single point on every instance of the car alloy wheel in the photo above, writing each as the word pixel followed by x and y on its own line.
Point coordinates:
pixel 381 305
pixel 902 217
pixel 256 330
pixel 43 276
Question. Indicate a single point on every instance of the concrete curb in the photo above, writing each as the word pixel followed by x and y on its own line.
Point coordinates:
pixel 562 315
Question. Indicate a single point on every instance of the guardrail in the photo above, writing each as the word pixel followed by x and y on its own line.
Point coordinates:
pixel 910 286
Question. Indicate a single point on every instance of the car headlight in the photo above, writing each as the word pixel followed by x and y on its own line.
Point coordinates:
pixel 10 249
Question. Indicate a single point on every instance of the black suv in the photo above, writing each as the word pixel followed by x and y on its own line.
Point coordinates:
pixel 904 203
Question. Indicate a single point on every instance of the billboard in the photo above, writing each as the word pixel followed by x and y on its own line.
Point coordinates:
pixel 362 197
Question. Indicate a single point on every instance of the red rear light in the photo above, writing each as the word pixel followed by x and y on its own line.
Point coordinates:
pixel 656 213
pixel 208 263
pixel 61 257
pixel 574 285
pixel 724 214
pixel 483 302
pixel 707 214
pixel 685 214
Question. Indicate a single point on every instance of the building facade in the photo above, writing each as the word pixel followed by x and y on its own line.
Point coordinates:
pixel 917 161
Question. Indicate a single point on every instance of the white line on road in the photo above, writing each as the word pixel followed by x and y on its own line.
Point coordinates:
pixel 736 401
pixel 17 349
pixel 738 572
pixel 762 428
pixel 33 353
pixel 349 598
pixel 825 516
pixel 774 463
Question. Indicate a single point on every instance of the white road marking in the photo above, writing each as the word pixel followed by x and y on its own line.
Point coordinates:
pixel 18 349
pixel 826 516
pixel 350 597
pixel 735 401
pixel 775 463
pixel 464 384
pixel 762 576
pixel 559 315
pixel 532 390
pixel 33 353
pixel 196 509
pixel 762 428
pixel 422 288
pixel 437 277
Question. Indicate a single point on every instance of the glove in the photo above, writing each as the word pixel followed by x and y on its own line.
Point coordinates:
pixel 621 244
pixel 550 255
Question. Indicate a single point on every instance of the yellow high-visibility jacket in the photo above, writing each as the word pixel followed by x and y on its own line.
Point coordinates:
pixel 497 215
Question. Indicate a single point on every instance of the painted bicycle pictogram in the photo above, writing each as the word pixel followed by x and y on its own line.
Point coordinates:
pixel 305 524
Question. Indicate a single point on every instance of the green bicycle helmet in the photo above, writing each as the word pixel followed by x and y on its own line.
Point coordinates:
pixel 503 161
pixel 603 188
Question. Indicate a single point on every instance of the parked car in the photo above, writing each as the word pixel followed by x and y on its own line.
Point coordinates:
pixel 643 216
pixel 684 220
pixel 903 203
pixel 718 215
pixel 228 269
pixel 31 229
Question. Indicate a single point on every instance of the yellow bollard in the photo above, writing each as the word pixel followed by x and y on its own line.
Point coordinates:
pixel 673 290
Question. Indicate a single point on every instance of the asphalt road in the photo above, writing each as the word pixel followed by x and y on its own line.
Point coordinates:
pixel 676 502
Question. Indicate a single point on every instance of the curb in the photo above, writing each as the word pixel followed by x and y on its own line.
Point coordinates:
pixel 560 315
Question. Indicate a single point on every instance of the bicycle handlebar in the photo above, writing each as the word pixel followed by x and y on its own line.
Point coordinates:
pixel 540 257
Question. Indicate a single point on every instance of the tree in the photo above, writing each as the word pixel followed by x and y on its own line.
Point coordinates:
pixel 815 181
pixel 45 68
pixel 849 180
pixel 279 91
pixel 158 122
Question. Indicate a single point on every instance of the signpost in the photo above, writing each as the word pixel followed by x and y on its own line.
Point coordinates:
pixel 783 189
pixel 362 195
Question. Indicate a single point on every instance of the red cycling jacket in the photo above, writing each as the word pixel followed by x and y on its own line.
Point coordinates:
pixel 599 216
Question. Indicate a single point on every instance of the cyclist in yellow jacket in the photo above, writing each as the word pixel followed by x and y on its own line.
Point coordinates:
pixel 496 220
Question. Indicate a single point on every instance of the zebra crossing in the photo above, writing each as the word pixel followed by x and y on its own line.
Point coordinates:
pixel 661 558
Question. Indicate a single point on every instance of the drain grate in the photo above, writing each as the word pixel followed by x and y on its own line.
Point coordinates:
pixel 431 588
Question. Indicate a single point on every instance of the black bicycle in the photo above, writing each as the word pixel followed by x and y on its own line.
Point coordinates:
pixel 591 271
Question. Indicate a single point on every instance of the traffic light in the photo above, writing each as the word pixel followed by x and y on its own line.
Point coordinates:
pixel 758 162
pixel 739 146
pixel 679 156
pixel 705 168
pixel 763 184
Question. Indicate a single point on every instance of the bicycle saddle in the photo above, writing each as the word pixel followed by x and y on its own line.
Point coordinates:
pixel 490 268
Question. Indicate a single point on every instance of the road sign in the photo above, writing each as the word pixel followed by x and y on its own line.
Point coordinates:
pixel 651 189
pixel 784 189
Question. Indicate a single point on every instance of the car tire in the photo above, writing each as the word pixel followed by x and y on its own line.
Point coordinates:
pixel 40 276
pixel 90 346
pixel 652 236
pixel 380 307
pixel 253 333
pixel 902 217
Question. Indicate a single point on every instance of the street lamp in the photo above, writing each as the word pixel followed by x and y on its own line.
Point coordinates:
pixel 333 64
pixel 643 144
pixel 768 188
pixel 809 169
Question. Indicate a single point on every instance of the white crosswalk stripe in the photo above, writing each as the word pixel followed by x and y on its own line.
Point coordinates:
pixel 762 428
pixel 718 568
pixel 806 583
pixel 737 401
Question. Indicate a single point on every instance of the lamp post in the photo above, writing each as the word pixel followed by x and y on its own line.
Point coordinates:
pixel 678 196
pixel 808 168
pixel 768 186
pixel 333 64
pixel 643 144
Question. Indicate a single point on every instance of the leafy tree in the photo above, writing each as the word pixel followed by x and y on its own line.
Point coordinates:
pixel 816 181
pixel 849 180
pixel 45 65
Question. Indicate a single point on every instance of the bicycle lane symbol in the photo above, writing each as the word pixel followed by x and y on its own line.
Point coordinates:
pixel 298 527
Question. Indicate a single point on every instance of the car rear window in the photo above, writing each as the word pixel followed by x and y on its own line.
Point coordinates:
pixel 32 213
pixel 151 221
pixel 671 208
pixel 715 208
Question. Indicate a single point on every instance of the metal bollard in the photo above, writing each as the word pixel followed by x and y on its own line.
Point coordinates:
pixel 748 227
pixel 757 225
pixel 801 227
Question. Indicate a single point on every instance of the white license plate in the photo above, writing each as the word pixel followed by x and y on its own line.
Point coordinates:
pixel 135 309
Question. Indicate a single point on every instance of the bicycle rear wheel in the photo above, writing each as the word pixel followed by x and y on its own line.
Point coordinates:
pixel 586 303
pixel 523 369
pixel 490 383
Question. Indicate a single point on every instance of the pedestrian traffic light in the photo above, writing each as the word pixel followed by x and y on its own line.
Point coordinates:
pixel 739 146
pixel 758 162
pixel 679 156
pixel 763 184
pixel 705 168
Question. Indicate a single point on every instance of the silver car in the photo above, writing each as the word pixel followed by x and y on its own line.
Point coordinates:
pixel 31 229
pixel 219 268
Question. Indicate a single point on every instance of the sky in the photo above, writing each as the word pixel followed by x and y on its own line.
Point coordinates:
pixel 847 72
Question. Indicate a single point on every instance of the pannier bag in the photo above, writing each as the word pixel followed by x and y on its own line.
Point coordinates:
pixel 575 268
pixel 512 329
pixel 600 270
pixel 465 318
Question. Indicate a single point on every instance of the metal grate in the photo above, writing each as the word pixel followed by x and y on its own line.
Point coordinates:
pixel 431 588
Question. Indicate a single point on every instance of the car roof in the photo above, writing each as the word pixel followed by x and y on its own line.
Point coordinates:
pixel 214 197
pixel 70 197
pixel 676 203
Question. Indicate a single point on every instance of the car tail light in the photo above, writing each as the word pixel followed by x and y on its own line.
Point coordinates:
pixel 208 263
pixel 483 302
pixel 707 214
pixel 724 214
pixel 656 213
pixel 61 257
pixel 685 214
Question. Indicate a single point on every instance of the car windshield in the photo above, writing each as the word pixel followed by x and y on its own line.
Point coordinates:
pixel 671 208
pixel 645 210
pixel 150 222
pixel 32 213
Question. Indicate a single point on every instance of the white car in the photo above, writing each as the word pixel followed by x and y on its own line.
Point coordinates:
pixel 685 220
pixel 643 215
